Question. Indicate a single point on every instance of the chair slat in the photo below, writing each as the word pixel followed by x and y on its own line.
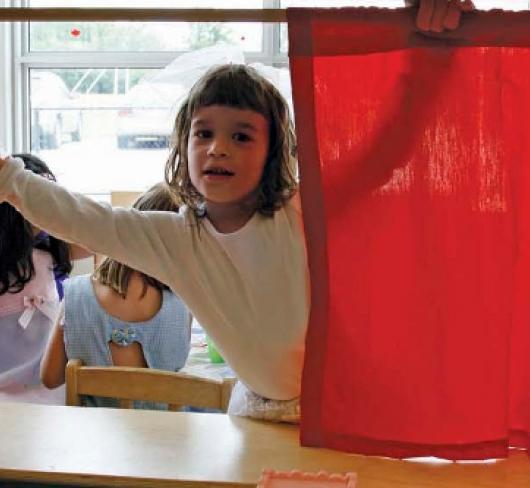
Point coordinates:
pixel 123 383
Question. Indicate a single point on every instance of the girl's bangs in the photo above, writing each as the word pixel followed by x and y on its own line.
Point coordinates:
pixel 231 92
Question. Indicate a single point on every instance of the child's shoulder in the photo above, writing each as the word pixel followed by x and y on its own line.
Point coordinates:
pixel 42 285
pixel 79 286
pixel 42 258
pixel 79 279
pixel 293 206
pixel 290 215
pixel 295 203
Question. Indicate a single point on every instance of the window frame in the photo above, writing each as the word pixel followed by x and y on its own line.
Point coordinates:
pixel 18 61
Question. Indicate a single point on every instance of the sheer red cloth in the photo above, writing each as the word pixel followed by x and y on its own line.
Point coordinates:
pixel 415 170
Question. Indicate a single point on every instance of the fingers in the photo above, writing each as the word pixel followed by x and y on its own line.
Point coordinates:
pixel 452 17
pixel 441 8
pixel 440 15
pixel 425 13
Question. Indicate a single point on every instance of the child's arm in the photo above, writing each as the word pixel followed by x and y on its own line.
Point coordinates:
pixel 146 241
pixel 54 361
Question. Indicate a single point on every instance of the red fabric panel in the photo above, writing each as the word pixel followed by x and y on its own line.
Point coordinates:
pixel 414 161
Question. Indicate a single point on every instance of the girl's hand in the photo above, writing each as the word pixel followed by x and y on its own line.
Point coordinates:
pixel 439 15
pixel 2 162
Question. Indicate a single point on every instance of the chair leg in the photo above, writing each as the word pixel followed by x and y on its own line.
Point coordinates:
pixel 72 397
pixel 228 385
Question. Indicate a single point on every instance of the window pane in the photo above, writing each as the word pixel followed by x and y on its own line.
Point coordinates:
pixel 143 36
pixel 137 36
pixel 101 129
pixel 105 130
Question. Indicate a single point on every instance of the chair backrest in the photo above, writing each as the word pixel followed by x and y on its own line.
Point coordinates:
pixel 128 384
pixel 123 198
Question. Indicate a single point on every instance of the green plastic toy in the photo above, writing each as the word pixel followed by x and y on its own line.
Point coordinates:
pixel 213 353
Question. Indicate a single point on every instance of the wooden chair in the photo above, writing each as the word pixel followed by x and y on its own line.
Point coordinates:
pixel 128 384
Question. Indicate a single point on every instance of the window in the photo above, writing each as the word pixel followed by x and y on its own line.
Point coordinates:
pixel 96 100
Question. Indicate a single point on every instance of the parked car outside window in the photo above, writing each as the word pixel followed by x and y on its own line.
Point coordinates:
pixel 147 117
pixel 55 116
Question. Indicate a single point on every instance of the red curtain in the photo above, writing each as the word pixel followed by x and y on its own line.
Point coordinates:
pixel 415 170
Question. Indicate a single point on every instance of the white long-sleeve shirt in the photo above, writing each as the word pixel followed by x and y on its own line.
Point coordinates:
pixel 249 289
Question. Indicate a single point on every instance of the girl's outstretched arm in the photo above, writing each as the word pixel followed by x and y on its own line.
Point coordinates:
pixel 146 241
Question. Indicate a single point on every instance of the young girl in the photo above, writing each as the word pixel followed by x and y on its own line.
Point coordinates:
pixel 120 317
pixel 235 252
pixel 32 267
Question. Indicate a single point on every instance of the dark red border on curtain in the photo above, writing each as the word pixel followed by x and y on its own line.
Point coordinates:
pixel 393 29
pixel 364 31
pixel 313 205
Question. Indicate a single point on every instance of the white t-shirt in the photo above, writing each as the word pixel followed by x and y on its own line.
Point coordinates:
pixel 249 289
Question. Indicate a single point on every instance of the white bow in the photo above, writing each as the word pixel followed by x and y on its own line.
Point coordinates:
pixel 47 307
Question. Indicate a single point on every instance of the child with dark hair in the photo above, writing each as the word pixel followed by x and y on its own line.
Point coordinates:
pixel 33 265
pixel 18 239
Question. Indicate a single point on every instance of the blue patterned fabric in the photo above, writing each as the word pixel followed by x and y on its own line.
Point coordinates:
pixel 165 339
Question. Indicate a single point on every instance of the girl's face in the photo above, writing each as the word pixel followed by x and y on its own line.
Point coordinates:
pixel 227 151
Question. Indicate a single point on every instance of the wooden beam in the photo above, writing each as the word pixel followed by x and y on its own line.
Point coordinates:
pixel 9 14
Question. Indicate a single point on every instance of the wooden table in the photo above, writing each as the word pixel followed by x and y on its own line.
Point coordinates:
pixel 133 448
